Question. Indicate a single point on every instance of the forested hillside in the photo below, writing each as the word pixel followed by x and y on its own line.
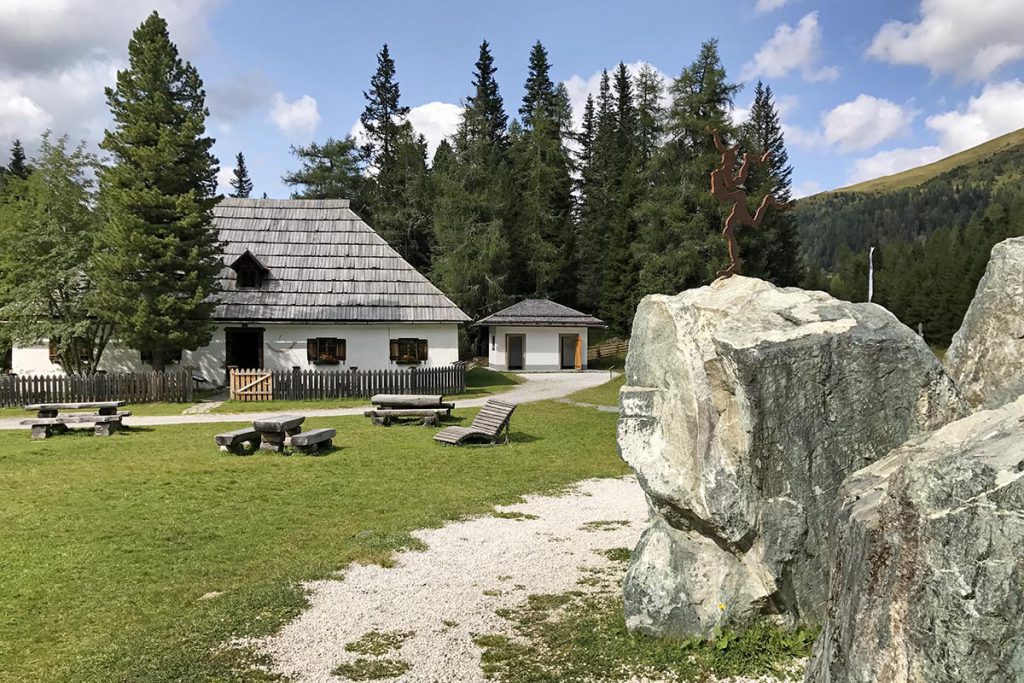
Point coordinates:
pixel 932 239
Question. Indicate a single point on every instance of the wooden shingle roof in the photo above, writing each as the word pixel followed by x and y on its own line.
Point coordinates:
pixel 541 313
pixel 325 265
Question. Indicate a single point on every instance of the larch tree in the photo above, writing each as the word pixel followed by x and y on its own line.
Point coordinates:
pixel 47 229
pixel 241 183
pixel 332 170
pixel 158 252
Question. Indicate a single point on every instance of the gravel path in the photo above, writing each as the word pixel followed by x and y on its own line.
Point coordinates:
pixel 450 591
pixel 538 386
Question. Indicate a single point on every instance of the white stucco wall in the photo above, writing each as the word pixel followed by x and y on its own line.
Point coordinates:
pixel 541 347
pixel 284 346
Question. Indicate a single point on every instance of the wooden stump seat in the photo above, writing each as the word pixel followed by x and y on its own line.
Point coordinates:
pixel 313 440
pixel 238 441
pixel 426 416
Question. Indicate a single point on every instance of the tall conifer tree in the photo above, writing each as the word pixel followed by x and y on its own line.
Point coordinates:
pixel 486 99
pixel 241 183
pixel 159 255
pixel 18 167
pixel 773 250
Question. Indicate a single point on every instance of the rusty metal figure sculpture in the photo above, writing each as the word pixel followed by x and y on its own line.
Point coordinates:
pixel 727 187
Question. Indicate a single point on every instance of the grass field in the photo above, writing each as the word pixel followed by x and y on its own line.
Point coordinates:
pixel 107 546
pixel 606 394
pixel 916 176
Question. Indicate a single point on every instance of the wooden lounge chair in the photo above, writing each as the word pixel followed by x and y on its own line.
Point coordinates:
pixel 488 425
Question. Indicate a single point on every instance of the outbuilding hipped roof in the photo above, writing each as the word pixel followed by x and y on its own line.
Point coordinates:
pixel 541 313
pixel 324 264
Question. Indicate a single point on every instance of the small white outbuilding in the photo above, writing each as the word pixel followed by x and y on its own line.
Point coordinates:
pixel 538 335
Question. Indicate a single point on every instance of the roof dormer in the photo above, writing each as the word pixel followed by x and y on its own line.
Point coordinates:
pixel 249 271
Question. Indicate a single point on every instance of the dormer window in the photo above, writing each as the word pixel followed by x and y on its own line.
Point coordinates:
pixel 249 272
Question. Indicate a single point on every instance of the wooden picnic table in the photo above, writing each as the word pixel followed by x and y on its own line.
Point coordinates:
pixel 52 409
pixel 275 432
pixel 48 421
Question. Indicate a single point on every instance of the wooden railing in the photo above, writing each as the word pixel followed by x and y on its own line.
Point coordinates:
pixel 297 384
pixel 174 386
pixel 609 348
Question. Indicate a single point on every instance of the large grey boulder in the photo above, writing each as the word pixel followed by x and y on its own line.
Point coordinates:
pixel 986 357
pixel 927 583
pixel 746 406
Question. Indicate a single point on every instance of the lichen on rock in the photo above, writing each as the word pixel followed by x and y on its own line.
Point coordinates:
pixel 745 407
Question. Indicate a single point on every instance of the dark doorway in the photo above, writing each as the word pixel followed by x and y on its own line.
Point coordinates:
pixel 567 351
pixel 514 344
pixel 244 347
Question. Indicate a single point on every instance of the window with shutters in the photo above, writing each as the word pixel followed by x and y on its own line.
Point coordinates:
pixel 54 351
pixel 325 350
pixel 408 351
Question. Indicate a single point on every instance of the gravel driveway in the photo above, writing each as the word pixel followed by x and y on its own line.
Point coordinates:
pixel 539 386
pixel 442 596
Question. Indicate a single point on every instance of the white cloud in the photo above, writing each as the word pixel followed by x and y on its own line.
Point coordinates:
pixel 435 121
pixel 865 122
pixel 893 161
pixel 769 5
pixel 791 49
pixel 231 100
pixel 224 177
pixel 56 57
pixel 999 109
pixel 296 119
pixel 580 87
pixel 971 40
pixel 806 189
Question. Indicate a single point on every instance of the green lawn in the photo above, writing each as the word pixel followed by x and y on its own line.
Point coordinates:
pixel 606 394
pixel 107 545
pixel 134 409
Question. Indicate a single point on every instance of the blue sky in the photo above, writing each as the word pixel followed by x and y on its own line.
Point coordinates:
pixel 866 87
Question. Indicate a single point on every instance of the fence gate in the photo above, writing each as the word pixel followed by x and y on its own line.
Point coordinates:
pixel 251 385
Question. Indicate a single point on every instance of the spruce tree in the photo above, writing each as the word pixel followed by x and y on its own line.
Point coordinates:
pixel 19 166
pixel 772 252
pixel 159 254
pixel 540 91
pixel 384 117
pixel 241 183
pixel 649 91
pixel 486 99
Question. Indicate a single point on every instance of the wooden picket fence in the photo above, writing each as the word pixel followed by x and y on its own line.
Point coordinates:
pixel 173 386
pixel 298 384
pixel 609 348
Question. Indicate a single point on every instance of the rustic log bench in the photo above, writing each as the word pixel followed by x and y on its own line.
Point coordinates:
pixel 238 441
pixel 428 409
pixel 313 440
pixel 276 432
pixel 428 416
pixel 103 425
pixel 51 410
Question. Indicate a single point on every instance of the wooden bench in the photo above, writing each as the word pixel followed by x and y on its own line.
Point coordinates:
pixel 313 440
pixel 427 408
pixel 103 425
pixel 239 441
pixel 427 416
pixel 493 419
pixel 276 432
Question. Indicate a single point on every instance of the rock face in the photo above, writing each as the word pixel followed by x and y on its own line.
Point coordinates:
pixel 986 358
pixel 745 408
pixel 927 583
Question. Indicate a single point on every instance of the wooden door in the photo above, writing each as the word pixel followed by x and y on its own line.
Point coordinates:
pixel 515 350
pixel 567 351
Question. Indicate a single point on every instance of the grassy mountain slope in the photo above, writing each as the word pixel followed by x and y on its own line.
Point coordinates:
pixel 916 176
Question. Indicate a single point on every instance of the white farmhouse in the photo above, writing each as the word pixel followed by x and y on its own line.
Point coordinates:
pixel 538 335
pixel 305 283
